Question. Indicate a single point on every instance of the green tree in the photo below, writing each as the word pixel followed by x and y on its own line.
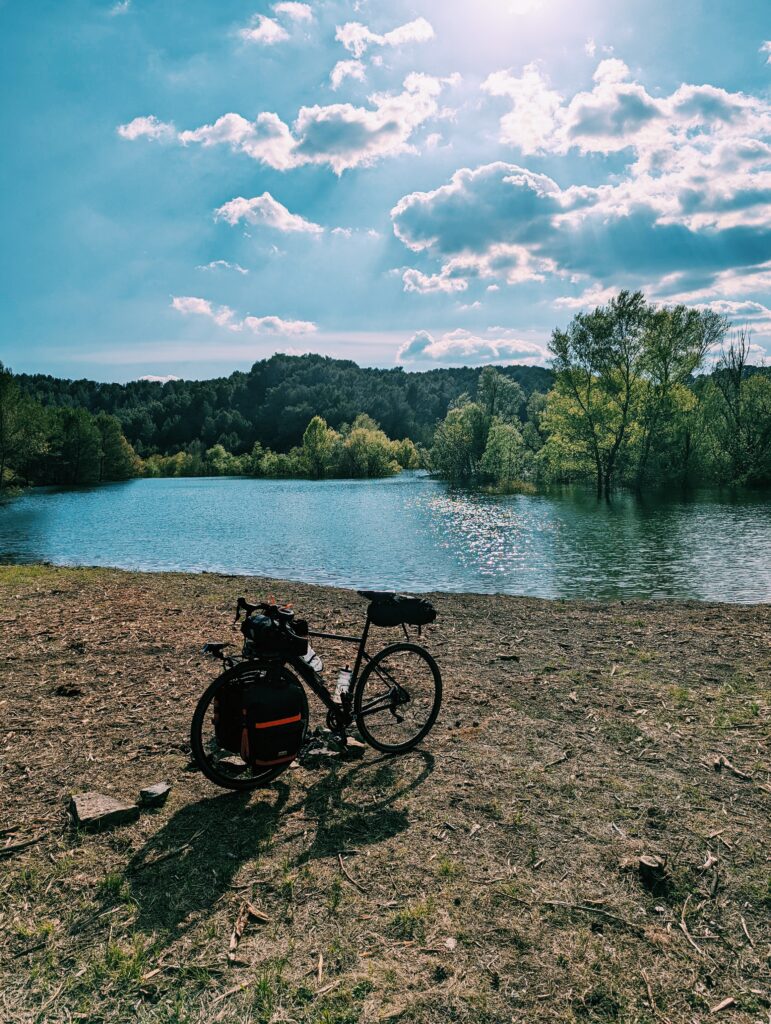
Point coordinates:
pixel 504 458
pixel 318 447
pixel 499 395
pixel 75 448
pixel 459 443
pixel 597 361
pixel 117 459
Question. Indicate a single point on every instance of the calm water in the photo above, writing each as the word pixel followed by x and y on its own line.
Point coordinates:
pixel 407 533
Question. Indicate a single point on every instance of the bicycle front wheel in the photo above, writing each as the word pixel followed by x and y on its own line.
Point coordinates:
pixel 397 698
pixel 223 765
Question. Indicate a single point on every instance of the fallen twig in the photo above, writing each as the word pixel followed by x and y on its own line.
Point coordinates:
pixel 349 877
pixel 580 907
pixel 684 927
pixel 6 851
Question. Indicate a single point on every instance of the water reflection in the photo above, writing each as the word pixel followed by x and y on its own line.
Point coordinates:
pixel 409 532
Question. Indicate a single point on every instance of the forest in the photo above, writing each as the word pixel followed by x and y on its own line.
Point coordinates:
pixel 629 401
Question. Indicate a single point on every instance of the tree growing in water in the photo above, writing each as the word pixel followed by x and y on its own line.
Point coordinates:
pixel 620 374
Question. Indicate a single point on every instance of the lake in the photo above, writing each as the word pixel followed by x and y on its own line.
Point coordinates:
pixel 409 533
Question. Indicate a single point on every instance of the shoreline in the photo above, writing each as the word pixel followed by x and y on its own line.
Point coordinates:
pixel 276 582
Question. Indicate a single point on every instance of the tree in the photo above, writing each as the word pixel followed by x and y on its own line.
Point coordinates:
pixel 737 417
pixel 676 342
pixel 459 443
pixel 75 449
pixel 504 456
pixel 117 459
pixel 597 361
pixel 319 442
pixel 498 395
pixel 20 425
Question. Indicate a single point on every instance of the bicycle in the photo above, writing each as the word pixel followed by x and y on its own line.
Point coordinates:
pixel 393 698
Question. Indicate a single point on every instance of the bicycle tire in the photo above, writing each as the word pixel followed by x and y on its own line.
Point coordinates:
pixel 226 678
pixel 372 667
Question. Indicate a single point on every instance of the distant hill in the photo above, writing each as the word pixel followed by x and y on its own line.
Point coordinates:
pixel 273 402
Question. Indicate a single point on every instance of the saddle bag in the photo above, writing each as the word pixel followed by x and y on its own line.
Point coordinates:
pixel 263 721
pixel 400 608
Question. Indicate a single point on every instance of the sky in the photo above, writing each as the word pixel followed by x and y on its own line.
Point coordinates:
pixel 188 187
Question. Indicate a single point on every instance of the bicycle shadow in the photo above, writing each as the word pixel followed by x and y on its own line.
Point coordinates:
pixel 368 815
pixel 190 862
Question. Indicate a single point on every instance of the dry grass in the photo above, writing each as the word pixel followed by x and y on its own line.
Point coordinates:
pixel 489 877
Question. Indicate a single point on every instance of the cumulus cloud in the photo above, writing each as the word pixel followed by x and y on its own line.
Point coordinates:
pixel 222 265
pixel 294 11
pixel 162 379
pixel 264 30
pixel 224 316
pixel 766 48
pixel 146 127
pixel 347 69
pixel 358 38
pixel 530 122
pixel 464 348
pixel 339 135
pixel 695 191
pixel 266 211
pixel 416 281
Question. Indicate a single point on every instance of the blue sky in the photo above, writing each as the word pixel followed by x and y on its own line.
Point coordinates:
pixel 188 187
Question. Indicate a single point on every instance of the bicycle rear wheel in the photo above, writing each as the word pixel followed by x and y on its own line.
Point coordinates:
pixel 222 766
pixel 397 698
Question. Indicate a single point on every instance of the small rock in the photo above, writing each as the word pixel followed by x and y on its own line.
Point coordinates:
pixel 97 811
pixel 154 796
pixel 234 764
pixel 355 749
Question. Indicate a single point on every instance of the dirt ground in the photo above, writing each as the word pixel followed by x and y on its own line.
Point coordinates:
pixel 491 876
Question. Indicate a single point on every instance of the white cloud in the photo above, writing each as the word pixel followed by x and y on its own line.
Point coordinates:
pixel 415 281
pixel 464 348
pixel 358 38
pixel 590 47
pixel 266 211
pixel 223 316
pixel 159 379
pixel 294 11
pixel 347 69
pixel 595 295
pixel 120 7
pixel 340 135
pixel 531 120
pixel 222 265
pixel 146 127
pixel 766 48
pixel 264 30
pixel 275 325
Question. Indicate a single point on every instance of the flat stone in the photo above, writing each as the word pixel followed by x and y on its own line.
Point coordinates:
pixel 154 796
pixel 98 811
pixel 354 749
pixel 234 764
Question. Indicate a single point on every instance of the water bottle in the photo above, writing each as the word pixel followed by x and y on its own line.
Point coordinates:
pixel 343 684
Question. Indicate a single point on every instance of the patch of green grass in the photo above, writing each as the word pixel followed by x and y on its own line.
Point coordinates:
pixel 447 868
pixel 114 888
pixel 410 923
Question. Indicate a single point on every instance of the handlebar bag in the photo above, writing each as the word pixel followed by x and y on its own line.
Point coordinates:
pixel 401 608
pixel 269 637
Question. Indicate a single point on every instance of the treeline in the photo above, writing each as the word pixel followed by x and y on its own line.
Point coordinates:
pixel 58 445
pixel 358 450
pixel 627 408
pixel 272 403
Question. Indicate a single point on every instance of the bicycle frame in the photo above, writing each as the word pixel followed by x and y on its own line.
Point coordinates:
pixel 313 680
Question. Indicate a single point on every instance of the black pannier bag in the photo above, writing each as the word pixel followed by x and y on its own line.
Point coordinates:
pixel 263 722
pixel 395 609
